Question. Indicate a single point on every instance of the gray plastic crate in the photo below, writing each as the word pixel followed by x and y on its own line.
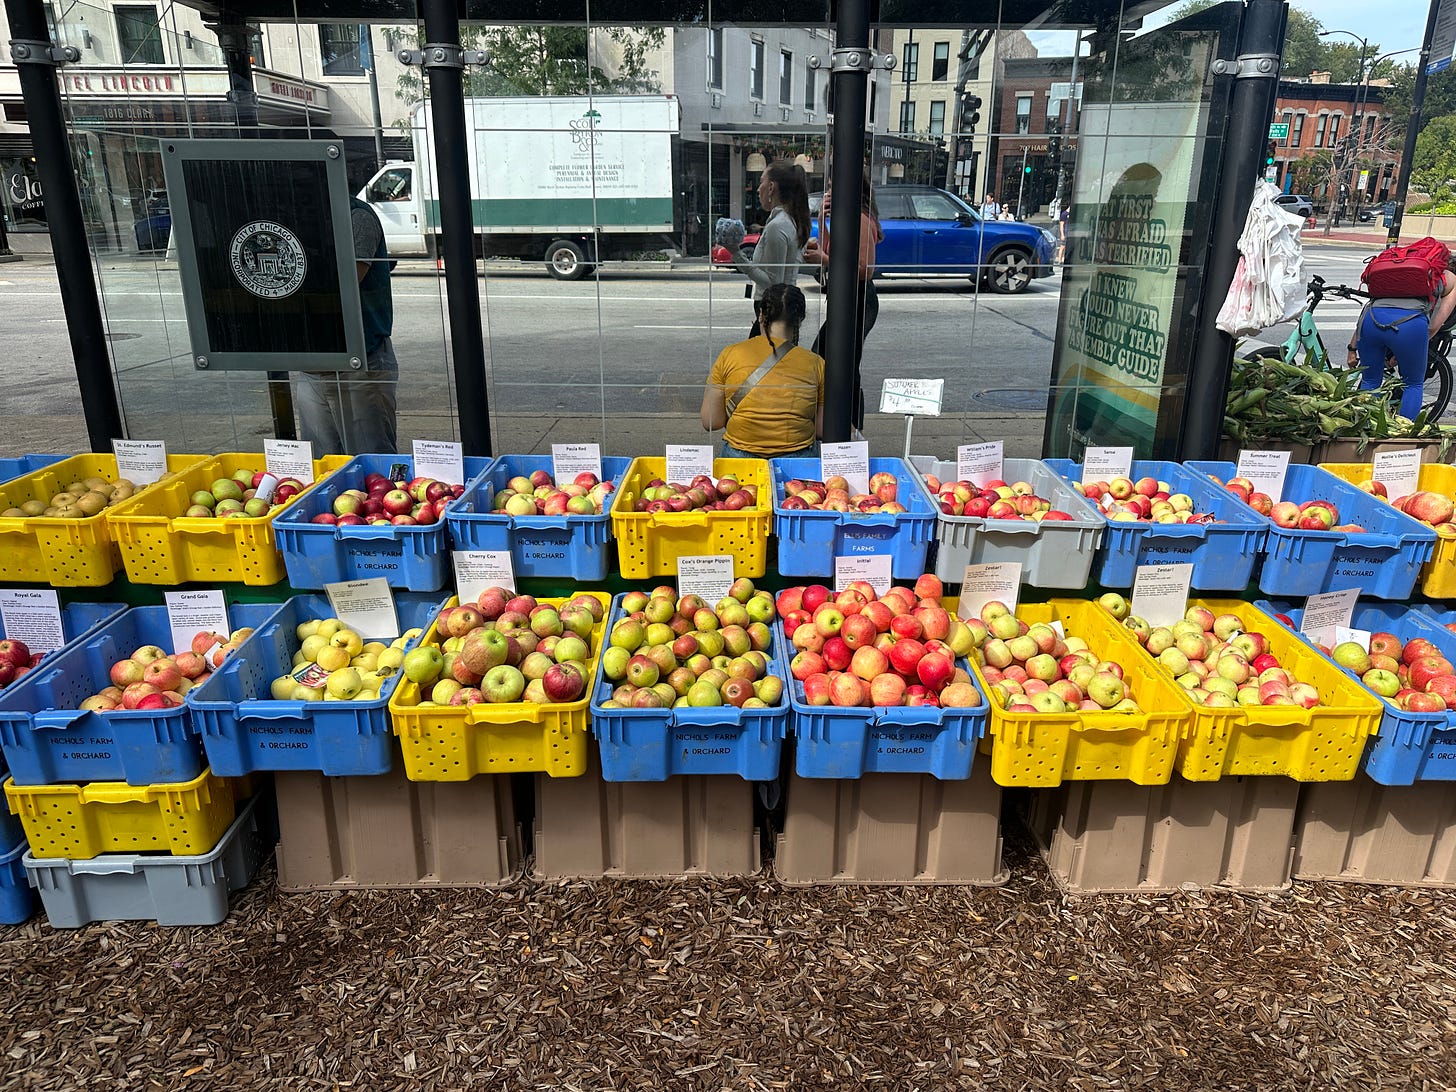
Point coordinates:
pixel 1052 555
pixel 157 886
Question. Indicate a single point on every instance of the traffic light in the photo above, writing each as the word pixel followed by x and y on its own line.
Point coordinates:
pixel 1054 148
pixel 1026 169
pixel 970 113
pixel 1269 156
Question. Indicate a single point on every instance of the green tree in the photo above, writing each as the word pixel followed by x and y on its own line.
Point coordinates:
pixel 1440 97
pixel 1310 173
pixel 1434 167
pixel 1304 50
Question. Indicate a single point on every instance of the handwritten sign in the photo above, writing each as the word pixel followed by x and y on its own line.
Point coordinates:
pixel 1266 470
pixel 849 461
pixel 366 607
pixel 289 459
pixel 569 460
pixel 915 397
pixel 707 575
pixel 1398 471
pixel 686 461
pixel 442 460
pixel 192 612
pixel 1160 593
pixel 1102 464
pixel 476 570
pixel 33 615
pixel 1344 633
pixel 993 582
pixel 1326 612
pixel 980 463
pixel 872 568
pixel 140 462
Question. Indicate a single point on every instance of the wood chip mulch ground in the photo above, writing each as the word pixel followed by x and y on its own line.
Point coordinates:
pixel 746 984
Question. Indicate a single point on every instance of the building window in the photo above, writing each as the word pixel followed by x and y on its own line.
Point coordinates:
pixel 137 34
pixel 255 47
pixel 1319 129
pixel 786 77
pixel 339 48
pixel 937 118
pixel 1023 113
pixel 1296 131
pixel 715 58
pixel 1288 126
pixel 1369 128
pixel 940 65
pixel 907 117
pixel 755 72
pixel 1334 134
pixel 910 62
pixel 811 87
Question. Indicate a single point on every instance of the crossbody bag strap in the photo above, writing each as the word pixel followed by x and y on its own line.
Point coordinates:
pixel 758 374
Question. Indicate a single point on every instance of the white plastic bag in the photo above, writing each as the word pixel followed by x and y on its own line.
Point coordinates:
pixel 1268 286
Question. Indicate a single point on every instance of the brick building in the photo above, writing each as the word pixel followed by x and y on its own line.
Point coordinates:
pixel 1347 139
pixel 1035 112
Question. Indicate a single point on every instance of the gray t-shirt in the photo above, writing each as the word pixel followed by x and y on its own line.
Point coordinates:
pixel 776 257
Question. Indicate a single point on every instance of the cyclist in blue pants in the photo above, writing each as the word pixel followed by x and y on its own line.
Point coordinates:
pixel 1403 328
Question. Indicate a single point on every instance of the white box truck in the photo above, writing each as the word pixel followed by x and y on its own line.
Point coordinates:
pixel 568 181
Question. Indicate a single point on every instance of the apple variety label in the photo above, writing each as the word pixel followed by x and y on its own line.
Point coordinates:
pixel 872 568
pixel 1398 471
pixel 140 462
pixel 569 460
pixel 1267 470
pixel 192 612
pixel 366 607
pixel 476 570
pixel 913 397
pixel 1102 464
pixel 1360 636
pixel 1327 611
pixel 980 463
pixel 442 460
pixel 997 581
pixel 289 459
pixel 33 616
pixel 708 575
pixel 849 461
pixel 686 461
pixel 1160 592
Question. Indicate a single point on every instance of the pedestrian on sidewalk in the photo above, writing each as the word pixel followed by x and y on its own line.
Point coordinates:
pixel 1402 327
pixel 784 191
pixel 990 210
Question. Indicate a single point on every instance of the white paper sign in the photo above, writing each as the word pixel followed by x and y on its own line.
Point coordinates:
pixel 1102 464
pixel 914 397
pixel 1344 633
pixel 708 575
pixel 441 460
pixel 1267 470
pixel 874 568
pixel 366 607
pixel 1327 611
pixel 476 570
pixel 289 459
pixel 849 461
pixel 992 582
pixel 569 460
pixel 192 612
pixel 1160 593
pixel 1398 471
pixel 980 463
pixel 686 461
pixel 140 462
pixel 33 615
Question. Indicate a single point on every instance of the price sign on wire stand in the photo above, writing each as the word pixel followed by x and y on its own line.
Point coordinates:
pixel 912 397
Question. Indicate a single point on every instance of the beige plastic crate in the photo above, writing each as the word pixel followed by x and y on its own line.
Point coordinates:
pixel 886 828
pixel 1115 836
pixel 1362 832
pixel 387 831
pixel 684 826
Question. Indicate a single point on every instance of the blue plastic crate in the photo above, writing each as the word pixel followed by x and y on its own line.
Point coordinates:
pixel 245 731
pixel 315 554
pixel 810 540
pixel 1410 747
pixel 25 464
pixel 17 901
pixel 47 738
pixel 1222 554
pixel 574 547
pixel 655 744
pixel 1383 562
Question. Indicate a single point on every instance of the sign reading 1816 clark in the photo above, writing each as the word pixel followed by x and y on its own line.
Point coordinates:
pixel 265 248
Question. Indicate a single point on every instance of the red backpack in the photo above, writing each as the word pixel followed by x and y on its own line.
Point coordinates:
pixel 1407 272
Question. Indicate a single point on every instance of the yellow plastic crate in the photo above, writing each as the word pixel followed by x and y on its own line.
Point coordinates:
pixel 1045 749
pixel 457 743
pixel 83 821
pixel 159 545
pixel 64 553
pixel 1320 744
pixel 1438 576
pixel 649 543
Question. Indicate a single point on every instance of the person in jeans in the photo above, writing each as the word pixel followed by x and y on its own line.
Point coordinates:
pixel 353 413
pixel 1404 329
pixel 767 393
pixel 784 191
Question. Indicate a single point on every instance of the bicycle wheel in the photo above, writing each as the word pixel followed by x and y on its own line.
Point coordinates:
pixel 1437 394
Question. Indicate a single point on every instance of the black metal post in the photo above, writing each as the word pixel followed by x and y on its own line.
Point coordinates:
pixel 849 75
pixel 30 49
pixel 1256 85
pixel 457 226
pixel 1418 101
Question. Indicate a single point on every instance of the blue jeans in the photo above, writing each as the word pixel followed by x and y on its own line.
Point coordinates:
pixel 1404 333
pixel 727 451
pixel 350 413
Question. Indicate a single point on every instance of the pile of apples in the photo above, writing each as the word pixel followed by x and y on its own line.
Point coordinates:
pixel 724 495
pixel 833 495
pixel 1414 675
pixel 333 663
pixel 670 651
pixel 79 500
pixel 237 497
pixel 541 495
pixel 1433 509
pixel 860 649
pixel 506 648
pixel 410 503
pixel 1146 500
pixel 151 679
pixel 16 660
pixel 994 500
pixel 1035 669
pixel 1312 515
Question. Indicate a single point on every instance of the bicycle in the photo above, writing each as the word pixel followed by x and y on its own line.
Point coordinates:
pixel 1307 336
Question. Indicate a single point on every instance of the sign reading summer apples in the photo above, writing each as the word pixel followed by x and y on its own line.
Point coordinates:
pixel 707 575
pixel 993 582
pixel 442 460
pixel 366 607
pixel 1160 593
pixel 980 463
pixel 32 615
pixel 1266 470
pixel 1102 464
pixel 569 460
pixel 140 462
pixel 476 570
pixel 1398 471
pixel 289 459
pixel 915 397
pixel 872 568
pixel 849 461
pixel 192 612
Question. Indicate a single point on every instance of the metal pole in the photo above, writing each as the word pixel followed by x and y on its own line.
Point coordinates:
pixel 457 228
pixel 1359 134
pixel 4 238
pixel 31 52
pixel 1418 100
pixel 1256 85
pixel 849 73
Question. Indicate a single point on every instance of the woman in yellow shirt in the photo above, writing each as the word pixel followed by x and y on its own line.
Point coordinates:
pixel 767 391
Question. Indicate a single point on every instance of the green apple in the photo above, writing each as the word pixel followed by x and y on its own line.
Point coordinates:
pixel 614 663
pixel 422 665
pixel 571 648
pixel 704 693
pixel 344 684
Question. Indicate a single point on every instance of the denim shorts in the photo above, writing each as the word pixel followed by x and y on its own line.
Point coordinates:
pixel 728 451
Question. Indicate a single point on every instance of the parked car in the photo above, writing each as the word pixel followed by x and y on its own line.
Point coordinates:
pixel 1296 203
pixel 154 231
pixel 721 255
